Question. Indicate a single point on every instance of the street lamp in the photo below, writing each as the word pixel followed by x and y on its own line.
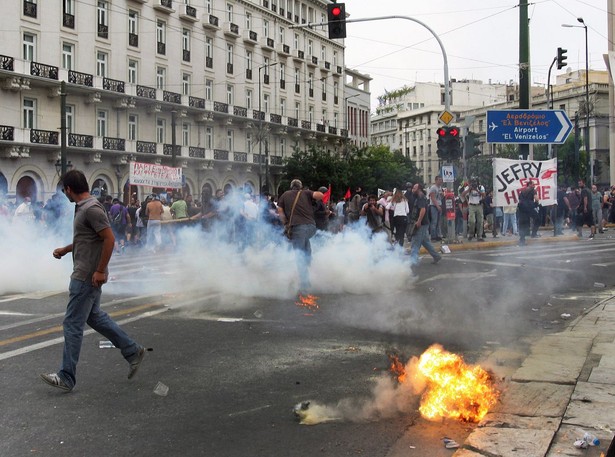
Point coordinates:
pixel 261 115
pixel 590 168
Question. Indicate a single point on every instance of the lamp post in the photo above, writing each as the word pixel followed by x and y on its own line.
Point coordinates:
pixel 261 116
pixel 590 168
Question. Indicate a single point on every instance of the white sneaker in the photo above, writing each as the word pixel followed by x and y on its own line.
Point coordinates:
pixel 55 381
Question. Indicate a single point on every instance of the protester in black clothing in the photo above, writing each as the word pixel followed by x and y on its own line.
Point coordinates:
pixel 528 213
pixel 584 211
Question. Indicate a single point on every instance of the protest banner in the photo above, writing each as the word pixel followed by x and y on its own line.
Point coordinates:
pixel 511 176
pixel 153 175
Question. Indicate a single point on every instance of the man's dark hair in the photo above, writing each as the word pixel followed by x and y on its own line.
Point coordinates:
pixel 75 179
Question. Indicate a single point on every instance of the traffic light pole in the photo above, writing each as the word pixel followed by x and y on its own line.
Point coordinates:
pixel 447 95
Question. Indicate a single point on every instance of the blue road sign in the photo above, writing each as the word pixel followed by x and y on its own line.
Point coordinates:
pixel 527 126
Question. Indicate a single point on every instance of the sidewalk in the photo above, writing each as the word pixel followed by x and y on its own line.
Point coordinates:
pixel 565 384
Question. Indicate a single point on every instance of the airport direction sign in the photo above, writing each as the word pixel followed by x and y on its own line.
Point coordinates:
pixel 527 126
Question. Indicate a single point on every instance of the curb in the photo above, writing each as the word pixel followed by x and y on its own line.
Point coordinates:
pixel 476 245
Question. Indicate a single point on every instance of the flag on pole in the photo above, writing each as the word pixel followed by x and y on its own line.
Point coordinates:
pixel 327 195
pixel 347 195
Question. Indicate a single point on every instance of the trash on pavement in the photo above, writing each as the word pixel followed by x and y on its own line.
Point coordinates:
pixel 104 344
pixel 161 389
pixel 258 314
pixel 450 444
pixel 565 315
pixel 580 444
pixel 599 285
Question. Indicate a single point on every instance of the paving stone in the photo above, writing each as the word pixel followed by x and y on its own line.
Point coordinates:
pixel 595 415
pixel 562 369
pixel 563 343
pixel 603 348
pixel 592 392
pixel 607 361
pixel 467 453
pixel 534 399
pixel 563 442
pixel 602 375
pixel 501 420
pixel 508 442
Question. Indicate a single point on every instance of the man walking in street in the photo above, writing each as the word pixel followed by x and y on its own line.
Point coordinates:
pixel 420 235
pixel 297 214
pixel 92 247
pixel 435 210
pixel 584 211
pixel 475 193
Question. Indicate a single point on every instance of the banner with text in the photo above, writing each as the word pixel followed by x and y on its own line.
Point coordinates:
pixel 150 174
pixel 511 176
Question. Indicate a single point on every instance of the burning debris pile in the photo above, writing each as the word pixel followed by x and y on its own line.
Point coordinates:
pixel 448 389
pixel 308 302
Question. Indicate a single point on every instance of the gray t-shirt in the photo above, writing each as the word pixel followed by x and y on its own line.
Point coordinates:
pixel 90 218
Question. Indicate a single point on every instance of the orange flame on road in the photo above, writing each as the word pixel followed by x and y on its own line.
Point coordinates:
pixel 453 389
pixel 307 301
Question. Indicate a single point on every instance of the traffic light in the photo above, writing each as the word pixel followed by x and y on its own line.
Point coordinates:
pixel 336 18
pixel 472 145
pixel 448 143
pixel 561 58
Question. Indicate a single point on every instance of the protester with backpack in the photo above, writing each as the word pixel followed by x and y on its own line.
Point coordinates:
pixel 120 221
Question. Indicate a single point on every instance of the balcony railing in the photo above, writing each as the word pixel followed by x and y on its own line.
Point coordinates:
pixel 209 62
pixel 275 118
pixel 258 158
pixel 171 97
pixel 258 115
pixel 320 128
pixel 253 36
pixel 29 9
pixel 248 73
pixel 114 144
pixel 185 55
pixel 80 141
pixel 147 147
pixel 83 79
pixel 7 63
pixel 220 154
pixel 240 111
pixel 229 68
pixel 196 152
pixel 167 150
pixel 161 48
pixel 333 130
pixel 103 31
pixel 191 11
pixel 113 85
pixel 306 125
pixel 221 107
pixel 44 71
pixel 68 20
pixel 44 136
pixel 282 84
pixel 276 160
pixel 133 39
pixel 240 156
pixel 146 92
pixel 195 102
pixel 292 122
pixel 7 133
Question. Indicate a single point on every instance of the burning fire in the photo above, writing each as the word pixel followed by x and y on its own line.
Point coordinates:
pixel 308 301
pixel 453 389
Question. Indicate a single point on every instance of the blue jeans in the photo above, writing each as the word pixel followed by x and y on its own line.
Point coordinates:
pixel 421 238
pixel 84 307
pixel 300 241
pixel 434 222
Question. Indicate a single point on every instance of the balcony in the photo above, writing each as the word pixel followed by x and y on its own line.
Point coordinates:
pixel 283 49
pixel 167 150
pixel 133 40
pixel 333 130
pixel 320 128
pixel 146 147
pixel 274 8
pixel 275 118
pixel 103 31
pixel 146 92
pixel 44 136
pixel 325 66
pixel 240 111
pixel 276 160
pixel 210 22
pixel 188 13
pixel 220 154
pixel 250 37
pixel 299 56
pixel 240 157
pixel 171 97
pixel 195 102
pixel 113 85
pixel 195 152
pixel 82 79
pixel 68 20
pixel 114 144
pixel 307 125
pixel 339 69
pixel 293 122
pixel 161 48
pixel 29 8
pixel 221 107
pixel 258 115
pixel 7 133
pixel 231 30
pixel 267 44
pixel 80 141
pixel 7 63
pixel 166 6
pixel 313 61
pixel 44 71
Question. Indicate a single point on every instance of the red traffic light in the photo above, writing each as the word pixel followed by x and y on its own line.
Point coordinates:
pixel 336 11
pixel 453 131
pixel 441 132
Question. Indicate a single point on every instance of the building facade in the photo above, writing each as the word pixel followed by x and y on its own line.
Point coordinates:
pixel 357 101
pixel 224 89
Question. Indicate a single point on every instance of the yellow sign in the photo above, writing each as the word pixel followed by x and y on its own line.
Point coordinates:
pixel 446 117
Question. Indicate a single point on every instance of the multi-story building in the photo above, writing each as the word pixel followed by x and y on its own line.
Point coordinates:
pixel 357 101
pixel 223 89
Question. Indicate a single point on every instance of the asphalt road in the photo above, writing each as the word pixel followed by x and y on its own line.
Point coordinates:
pixel 235 366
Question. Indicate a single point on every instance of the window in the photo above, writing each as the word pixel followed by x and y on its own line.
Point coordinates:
pixel 161 127
pixel 209 89
pixel 296 41
pixel 323 52
pixel 249 144
pixel 185 134
pixel 68 51
pixel 282 150
pixel 249 98
pixel 266 103
pixel 29 47
pixel 311 114
pixel 186 82
pixel 311 81
pixel 310 47
pixel 281 35
pixel 186 45
pixel 133 71
pixel 265 28
pixel 103 17
pixel 335 58
pixel 336 119
pixel 282 107
pixel 230 140
pixel 161 78
pixel 133 122
pixel 282 72
pixel 209 52
pixel 323 20
pixel 229 12
pixel 101 64
pixel 230 96
pixel 229 54
pixel 29 113
pixel 161 37
pixel 248 20
pixel 209 137
pixel 297 110
pixel 297 76
pixel 70 118
pixel 101 122
pixel 133 22
pixel 69 7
